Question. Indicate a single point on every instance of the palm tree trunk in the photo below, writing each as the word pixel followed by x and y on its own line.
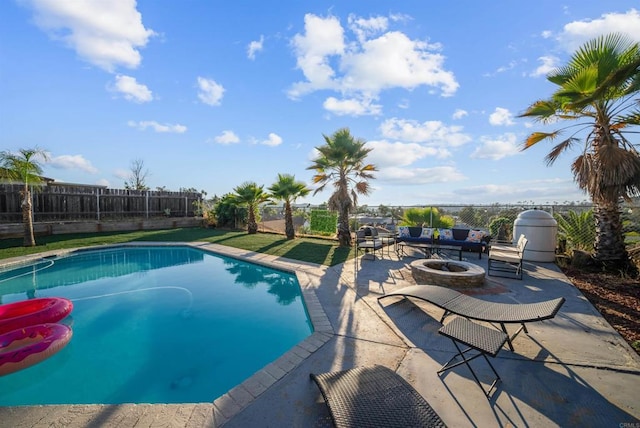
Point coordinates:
pixel 609 246
pixel 252 225
pixel 27 218
pixel 344 234
pixel 289 230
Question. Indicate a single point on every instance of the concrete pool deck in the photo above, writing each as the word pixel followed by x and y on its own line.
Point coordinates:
pixel 574 370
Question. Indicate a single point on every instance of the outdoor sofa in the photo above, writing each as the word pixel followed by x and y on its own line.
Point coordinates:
pixel 470 240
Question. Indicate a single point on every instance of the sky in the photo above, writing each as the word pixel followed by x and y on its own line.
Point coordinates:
pixel 211 94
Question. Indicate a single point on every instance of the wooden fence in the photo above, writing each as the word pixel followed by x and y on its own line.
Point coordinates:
pixel 62 202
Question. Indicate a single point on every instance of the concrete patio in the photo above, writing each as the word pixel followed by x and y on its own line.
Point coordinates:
pixel 574 370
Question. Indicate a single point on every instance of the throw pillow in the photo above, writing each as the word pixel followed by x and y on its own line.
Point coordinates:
pixel 475 236
pixel 403 231
pixel 427 232
pixel 446 234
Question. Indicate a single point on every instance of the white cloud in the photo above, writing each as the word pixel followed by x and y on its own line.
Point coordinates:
pixel 549 63
pixel 497 148
pixel 255 46
pixel 352 107
pixel 395 61
pixel 576 33
pixel 323 37
pixel 420 176
pixel 397 154
pixel 459 114
pixel 104 33
pixel 72 162
pixel 227 137
pixel 273 140
pixel 429 132
pixel 122 174
pixel 361 67
pixel 365 28
pixel 210 92
pixel 158 127
pixel 510 66
pixel 103 182
pixel 129 87
pixel 501 117
pixel 553 190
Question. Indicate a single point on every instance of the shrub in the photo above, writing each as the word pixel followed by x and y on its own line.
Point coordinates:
pixel 323 221
pixel 228 213
pixel 501 228
pixel 578 229
pixel 427 217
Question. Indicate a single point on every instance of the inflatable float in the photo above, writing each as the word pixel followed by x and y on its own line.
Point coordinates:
pixel 29 345
pixel 34 311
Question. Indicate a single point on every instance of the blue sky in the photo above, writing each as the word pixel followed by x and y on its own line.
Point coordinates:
pixel 212 94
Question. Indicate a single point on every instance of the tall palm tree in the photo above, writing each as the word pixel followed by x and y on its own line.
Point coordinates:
pixel 341 161
pixel 596 88
pixel 251 195
pixel 287 189
pixel 24 167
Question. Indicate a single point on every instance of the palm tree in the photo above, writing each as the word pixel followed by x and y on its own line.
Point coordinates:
pixel 596 88
pixel 25 168
pixel 251 195
pixel 341 161
pixel 287 189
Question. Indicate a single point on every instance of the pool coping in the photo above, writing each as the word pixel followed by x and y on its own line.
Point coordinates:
pixel 229 404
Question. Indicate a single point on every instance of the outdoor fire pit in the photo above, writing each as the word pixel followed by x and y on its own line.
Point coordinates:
pixel 448 273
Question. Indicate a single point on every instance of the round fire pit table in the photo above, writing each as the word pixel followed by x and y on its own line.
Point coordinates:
pixel 448 273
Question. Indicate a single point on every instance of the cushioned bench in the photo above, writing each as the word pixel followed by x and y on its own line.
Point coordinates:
pixel 454 302
pixel 468 240
pixel 374 397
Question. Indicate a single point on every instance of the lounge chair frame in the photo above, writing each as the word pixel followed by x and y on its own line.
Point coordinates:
pixel 374 397
pixel 454 302
pixel 484 340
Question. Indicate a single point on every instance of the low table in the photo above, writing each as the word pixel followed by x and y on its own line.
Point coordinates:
pixel 429 249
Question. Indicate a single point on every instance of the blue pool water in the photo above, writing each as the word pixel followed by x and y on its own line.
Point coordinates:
pixel 155 325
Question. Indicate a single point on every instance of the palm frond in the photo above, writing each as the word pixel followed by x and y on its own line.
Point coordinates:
pixel 536 137
pixel 558 149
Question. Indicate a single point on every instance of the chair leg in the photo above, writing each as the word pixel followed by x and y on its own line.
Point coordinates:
pixel 465 361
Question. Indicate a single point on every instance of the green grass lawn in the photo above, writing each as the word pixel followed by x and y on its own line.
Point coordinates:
pixel 320 251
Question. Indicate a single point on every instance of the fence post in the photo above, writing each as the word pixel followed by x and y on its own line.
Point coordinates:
pixel 98 204
pixel 146 204
pixel 186 208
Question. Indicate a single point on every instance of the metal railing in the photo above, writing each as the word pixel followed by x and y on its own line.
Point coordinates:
pixel 576 226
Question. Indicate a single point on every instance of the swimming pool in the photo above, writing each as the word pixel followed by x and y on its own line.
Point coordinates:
pixel 155 325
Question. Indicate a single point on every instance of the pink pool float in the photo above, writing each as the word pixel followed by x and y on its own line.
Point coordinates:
pixel 33 311
pixel 29 345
